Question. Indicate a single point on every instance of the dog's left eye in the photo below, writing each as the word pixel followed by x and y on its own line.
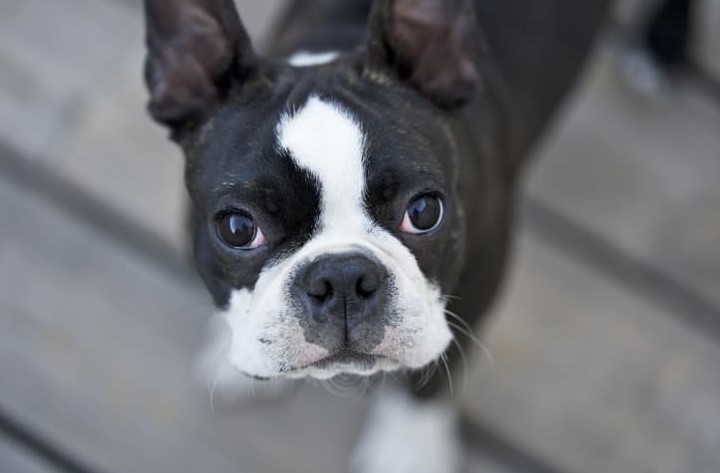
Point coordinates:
pixel 424 214
pixel 239 230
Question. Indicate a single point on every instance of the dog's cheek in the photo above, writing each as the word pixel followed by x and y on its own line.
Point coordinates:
pixel 417 331
pixel 420 333
pixel 252 337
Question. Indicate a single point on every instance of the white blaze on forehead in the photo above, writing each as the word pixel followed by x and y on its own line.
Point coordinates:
pixel 325 140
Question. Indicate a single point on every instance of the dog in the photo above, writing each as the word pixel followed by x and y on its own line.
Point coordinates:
pixel 354 190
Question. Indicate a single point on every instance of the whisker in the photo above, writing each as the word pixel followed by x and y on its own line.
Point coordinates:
pixel 450 297
pixel 213 369
pixel 212 361
pixel 459 319
pixel 421 382
pixel 326 386
pixel 465 330
pixel 485 351
pixel 462 331
pixel 346 386
pixel 427 375
pixel 463 359
pixel 212 391
pixel 443 357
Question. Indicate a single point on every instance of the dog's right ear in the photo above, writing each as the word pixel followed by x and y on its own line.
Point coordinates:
pixel 196 50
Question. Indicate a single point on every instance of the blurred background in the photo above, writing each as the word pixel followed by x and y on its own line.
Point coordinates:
pixel 605 345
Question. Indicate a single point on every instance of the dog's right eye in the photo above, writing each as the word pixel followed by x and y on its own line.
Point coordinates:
pixel 423 215
pixel 239 230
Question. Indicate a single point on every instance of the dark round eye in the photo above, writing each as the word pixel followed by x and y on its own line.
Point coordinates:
pixel 424 214
pixel 239 230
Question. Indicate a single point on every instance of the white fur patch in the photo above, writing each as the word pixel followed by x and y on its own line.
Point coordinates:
pixel 267 338
pixel 222 380
pixel 307 59
pixel 326 141
pixel 404 435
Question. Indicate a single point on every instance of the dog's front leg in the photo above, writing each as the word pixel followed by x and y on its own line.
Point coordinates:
pixel 408 434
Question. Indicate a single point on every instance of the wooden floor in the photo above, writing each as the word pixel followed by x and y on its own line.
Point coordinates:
pixel 605 348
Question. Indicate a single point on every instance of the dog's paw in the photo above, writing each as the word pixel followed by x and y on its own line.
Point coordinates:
pixel 404 435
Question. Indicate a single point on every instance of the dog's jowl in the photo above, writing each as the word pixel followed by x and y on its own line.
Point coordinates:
pixel 353 191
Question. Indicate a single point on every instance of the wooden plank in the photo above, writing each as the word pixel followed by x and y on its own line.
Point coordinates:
pixel 96 353
pixel 482 463
pixel 71 93
pixel 643 175
pixel 593 379
pixel 115 151
pixel 14 459
pixel 52 55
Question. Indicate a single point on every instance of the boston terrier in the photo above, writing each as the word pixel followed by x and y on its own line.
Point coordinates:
pixel 354 188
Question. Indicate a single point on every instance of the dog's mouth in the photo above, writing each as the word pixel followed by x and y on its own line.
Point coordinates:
pixel 347 357
pixel 343 358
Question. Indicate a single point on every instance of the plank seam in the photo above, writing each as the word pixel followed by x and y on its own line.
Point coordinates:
pixel 590 249
pixel 36 177
pixel 503 452
pixel 42 450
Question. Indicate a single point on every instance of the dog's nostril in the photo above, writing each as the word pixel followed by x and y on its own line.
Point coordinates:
pixel 320 290
pixel 367 285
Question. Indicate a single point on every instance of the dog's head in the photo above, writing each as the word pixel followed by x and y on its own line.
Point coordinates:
pixel 329 224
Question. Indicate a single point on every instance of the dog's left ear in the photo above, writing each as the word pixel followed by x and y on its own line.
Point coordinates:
pixel 196 50
pixel 431 44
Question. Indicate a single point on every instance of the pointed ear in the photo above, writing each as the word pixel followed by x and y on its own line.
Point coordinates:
pixel 196 48
pixel 431 44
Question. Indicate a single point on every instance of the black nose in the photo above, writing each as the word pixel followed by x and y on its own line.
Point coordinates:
pixel 344 295
pixel 348 278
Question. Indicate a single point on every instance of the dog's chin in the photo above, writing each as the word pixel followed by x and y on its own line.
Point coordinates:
pixel 344 362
